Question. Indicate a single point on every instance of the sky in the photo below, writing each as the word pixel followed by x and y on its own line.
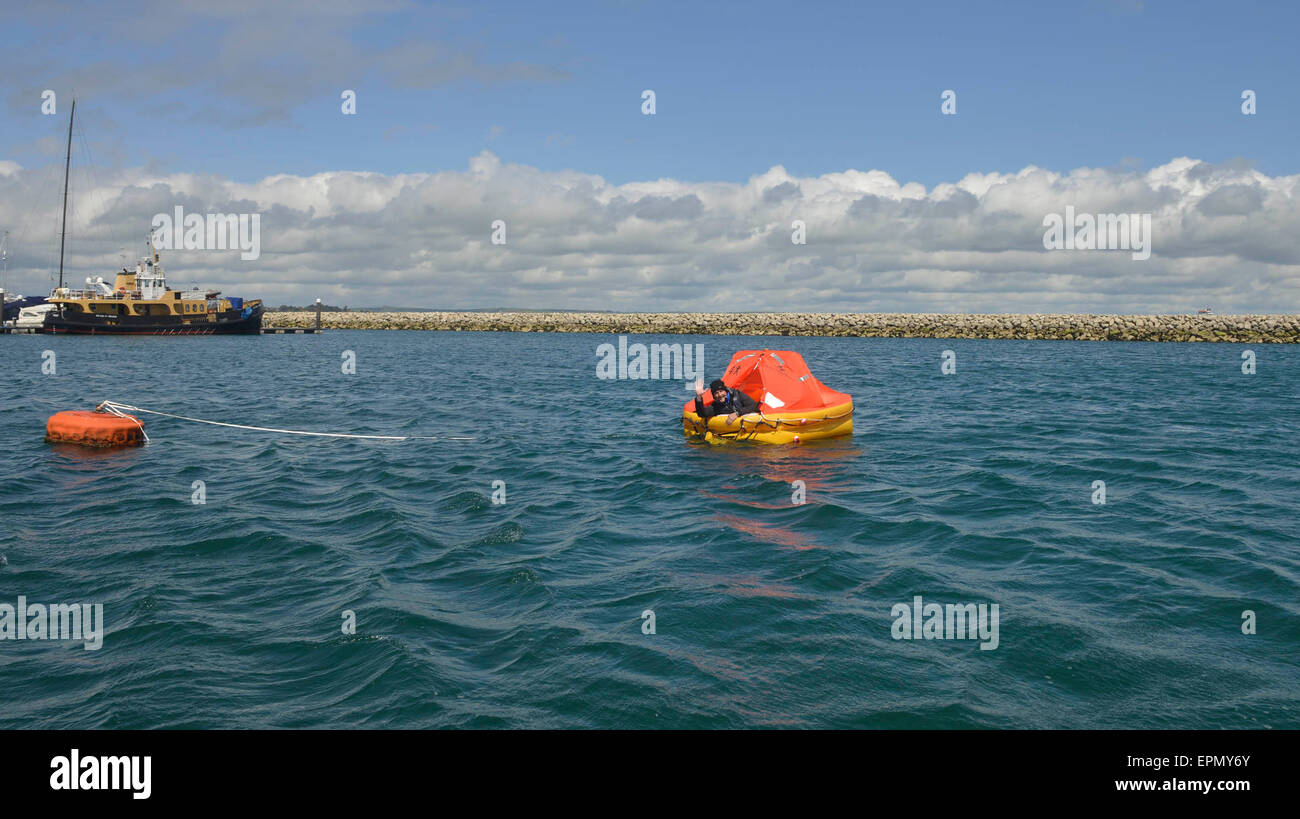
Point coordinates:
pixel 766 115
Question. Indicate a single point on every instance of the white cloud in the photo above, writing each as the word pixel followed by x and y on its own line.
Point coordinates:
pixel 1223 235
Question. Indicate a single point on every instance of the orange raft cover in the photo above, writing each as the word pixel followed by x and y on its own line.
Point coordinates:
pixel 778 380
pixel 93 429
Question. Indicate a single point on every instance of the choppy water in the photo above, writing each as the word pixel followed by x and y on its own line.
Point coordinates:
pixel 970 488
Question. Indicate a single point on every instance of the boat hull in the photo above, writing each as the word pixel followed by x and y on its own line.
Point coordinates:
pixel 14 307
pixel 231 322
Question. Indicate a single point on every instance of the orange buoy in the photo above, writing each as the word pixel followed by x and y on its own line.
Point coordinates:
pixel 93 429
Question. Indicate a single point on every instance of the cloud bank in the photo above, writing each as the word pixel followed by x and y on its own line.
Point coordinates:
pixel 1223 235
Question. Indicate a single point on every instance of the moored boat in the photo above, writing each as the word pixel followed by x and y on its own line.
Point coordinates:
pixel 16 305
pixel 140 302
pixel 32 318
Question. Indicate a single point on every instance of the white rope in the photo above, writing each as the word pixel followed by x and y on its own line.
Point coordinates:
pixel 120 409
pixel 113 410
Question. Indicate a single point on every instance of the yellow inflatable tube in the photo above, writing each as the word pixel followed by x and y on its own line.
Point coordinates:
pixel 773 428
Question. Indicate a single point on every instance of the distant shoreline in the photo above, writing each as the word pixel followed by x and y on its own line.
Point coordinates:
pixel 1282 329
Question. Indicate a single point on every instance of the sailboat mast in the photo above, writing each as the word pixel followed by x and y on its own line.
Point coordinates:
pixel 67 166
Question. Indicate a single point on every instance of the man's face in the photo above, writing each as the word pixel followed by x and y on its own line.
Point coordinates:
pixel 719 396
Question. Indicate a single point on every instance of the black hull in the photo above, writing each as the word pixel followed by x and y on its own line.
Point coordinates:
pixel 232 322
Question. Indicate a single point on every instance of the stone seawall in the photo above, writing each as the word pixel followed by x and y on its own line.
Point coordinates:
pixel 1241 329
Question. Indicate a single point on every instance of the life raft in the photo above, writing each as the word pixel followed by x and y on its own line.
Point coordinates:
pixel 94 429
pixel 794 406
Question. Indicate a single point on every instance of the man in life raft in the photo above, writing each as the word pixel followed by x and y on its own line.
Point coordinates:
pixel 725 400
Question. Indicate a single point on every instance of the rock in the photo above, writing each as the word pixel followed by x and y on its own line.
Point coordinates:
pixel 1252 329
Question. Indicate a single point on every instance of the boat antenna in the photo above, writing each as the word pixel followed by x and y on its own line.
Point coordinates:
pixel 67 166
pixel 154 261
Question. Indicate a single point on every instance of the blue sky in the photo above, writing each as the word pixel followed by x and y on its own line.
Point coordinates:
pixel 740 87
pixel 766 113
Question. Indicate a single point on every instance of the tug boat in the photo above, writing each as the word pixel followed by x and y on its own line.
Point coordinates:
pixel 793 406
pixel 140 302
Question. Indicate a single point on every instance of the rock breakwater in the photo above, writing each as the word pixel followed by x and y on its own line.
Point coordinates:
pixel 1079 327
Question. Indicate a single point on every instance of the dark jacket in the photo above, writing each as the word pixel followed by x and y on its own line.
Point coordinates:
pixel 736 401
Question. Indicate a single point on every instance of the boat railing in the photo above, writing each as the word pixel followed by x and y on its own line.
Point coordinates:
pixel 117 295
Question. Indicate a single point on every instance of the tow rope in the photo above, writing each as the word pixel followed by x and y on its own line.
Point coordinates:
pixel 119 409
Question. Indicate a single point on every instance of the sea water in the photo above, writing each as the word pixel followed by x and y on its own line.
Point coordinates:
pixel 1130 511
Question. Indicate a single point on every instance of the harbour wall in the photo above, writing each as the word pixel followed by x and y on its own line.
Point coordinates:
pixel 1080 327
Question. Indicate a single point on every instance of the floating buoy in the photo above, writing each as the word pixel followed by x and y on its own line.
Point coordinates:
pixel 94 429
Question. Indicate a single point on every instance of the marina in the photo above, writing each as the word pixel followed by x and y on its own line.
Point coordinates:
pixel 139 302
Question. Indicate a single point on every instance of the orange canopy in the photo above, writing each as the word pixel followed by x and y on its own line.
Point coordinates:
pixel 778 380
